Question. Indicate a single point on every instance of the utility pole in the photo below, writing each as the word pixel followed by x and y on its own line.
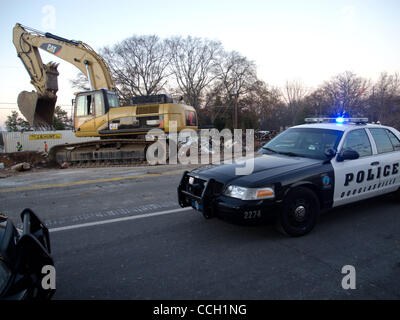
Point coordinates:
pixel 236 113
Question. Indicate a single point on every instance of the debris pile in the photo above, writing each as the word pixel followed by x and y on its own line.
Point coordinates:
pixel 21 161
pixel 34 158
pixel 24 166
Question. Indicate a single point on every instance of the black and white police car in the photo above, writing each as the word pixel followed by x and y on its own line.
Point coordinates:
pixel 305 169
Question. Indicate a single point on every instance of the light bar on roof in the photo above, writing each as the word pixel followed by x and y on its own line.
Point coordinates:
pixel 338 120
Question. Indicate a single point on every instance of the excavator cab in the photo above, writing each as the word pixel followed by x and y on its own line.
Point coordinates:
pixel 91 108
pixel 95 102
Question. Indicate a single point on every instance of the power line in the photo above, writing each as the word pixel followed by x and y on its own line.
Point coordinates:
pixel 61 105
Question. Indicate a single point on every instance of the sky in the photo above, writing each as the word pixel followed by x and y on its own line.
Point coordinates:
pixel 306 40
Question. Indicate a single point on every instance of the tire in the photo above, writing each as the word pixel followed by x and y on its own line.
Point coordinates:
pixel 299 214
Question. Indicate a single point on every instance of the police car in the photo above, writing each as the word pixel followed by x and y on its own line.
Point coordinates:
pixel 322 164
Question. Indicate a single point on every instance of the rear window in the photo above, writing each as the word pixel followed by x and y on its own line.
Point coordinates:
pixel 394 140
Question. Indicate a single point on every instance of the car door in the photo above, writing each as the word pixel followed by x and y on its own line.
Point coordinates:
pixel 388 156
pixel 355 179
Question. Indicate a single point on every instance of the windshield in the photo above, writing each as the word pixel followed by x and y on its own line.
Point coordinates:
pixel 304 142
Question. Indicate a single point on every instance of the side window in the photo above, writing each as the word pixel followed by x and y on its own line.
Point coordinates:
pixel 81 106
pixel 382 141
pixel 112 100
pixel 358 140
pixel 84 105
pixel 395 141
pixel 99 105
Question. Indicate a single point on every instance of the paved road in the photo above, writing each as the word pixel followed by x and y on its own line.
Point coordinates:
pixel 176 254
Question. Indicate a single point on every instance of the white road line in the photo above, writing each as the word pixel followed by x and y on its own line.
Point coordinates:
pixel 96 223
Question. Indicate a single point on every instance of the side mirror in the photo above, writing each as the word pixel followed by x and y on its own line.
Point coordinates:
pixel 347 155
pixel 330 153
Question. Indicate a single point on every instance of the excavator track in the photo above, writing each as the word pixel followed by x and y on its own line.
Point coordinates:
pixel 101 153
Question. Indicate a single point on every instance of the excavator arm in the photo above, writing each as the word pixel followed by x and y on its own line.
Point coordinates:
pixel 38 107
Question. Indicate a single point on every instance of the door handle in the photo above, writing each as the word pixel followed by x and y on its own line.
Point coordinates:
pixel 376 163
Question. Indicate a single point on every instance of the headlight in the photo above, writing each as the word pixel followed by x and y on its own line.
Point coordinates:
pixel 249 193
pixel 5 275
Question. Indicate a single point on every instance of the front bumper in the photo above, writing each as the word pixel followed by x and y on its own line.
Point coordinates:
pixel 246 211
pixel 205 195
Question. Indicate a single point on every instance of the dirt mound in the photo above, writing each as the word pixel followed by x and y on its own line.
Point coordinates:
pixel 35 159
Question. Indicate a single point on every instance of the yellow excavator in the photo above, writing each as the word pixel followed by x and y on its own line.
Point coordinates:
pixel 97 112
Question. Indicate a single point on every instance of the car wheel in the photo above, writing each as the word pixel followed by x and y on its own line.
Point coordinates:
pixel 299 213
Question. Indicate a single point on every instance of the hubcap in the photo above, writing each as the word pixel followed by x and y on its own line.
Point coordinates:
pixel 300 213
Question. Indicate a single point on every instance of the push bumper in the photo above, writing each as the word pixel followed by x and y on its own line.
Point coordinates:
pixel 206 196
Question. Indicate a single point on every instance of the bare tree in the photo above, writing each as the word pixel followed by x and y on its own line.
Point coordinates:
pixel 236 73
pixel 193 65
pixel 138 65
pixel 293 93
pixel 264 104
pixel 81 82
pixel 235 77
pixel 346 93
pixel 384 99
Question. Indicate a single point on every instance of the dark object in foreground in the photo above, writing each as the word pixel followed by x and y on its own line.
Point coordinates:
pixel 23 254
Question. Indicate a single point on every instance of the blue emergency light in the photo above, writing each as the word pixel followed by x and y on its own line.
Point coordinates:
pixel 338 120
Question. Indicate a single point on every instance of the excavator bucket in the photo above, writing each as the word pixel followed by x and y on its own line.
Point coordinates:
pixel 38 109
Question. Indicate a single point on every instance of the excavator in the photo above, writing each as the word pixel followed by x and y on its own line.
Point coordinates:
pixel 97 112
